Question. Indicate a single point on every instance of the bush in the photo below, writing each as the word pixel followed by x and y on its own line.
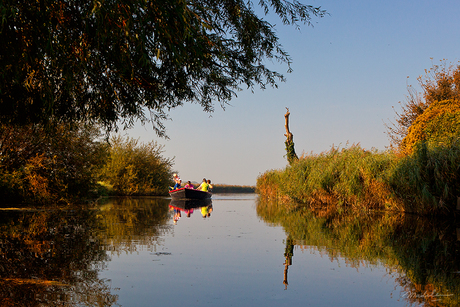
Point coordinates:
pixel 136 169
pixel 440 122
pixel 52 164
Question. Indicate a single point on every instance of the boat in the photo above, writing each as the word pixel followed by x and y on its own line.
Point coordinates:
pixel 184 193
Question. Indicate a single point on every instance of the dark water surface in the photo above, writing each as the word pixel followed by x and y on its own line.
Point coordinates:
pixel 234 251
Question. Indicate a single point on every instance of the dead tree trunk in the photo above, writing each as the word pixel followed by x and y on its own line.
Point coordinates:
pixel 290 151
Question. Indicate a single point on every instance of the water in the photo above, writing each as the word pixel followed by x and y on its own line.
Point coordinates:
pixel 234 252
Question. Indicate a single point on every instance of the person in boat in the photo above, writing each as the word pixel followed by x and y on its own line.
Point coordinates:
pixel 189 185
pixel 177 182
pixel 209 186
pixel 203 186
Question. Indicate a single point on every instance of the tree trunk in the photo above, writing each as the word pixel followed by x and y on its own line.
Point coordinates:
pixel 290 151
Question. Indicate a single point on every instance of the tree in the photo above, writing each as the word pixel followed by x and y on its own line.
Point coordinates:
pixel 441 82
pixel 106 61
pixel 439 123
pixel 49 165
pixel 290 150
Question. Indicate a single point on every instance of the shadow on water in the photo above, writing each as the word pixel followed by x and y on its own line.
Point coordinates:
pixel 53 257
pixel 422 253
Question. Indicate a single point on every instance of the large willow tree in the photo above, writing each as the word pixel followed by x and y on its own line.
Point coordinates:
pixel 112 60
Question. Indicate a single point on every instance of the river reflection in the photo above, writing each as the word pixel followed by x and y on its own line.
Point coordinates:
pixel 51 258
pixel 185 207
pixel 233 250
pixel 422 254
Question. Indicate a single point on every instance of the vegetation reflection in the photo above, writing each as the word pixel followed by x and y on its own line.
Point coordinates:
pixel 421 253
pixel 51 258
pixel 133 224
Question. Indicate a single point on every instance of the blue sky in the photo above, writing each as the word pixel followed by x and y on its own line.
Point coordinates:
pixel 349 70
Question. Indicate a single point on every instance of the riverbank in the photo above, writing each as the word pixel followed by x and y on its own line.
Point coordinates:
pixel 423 182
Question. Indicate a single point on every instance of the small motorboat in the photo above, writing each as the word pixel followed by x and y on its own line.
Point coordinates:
pixel 184 193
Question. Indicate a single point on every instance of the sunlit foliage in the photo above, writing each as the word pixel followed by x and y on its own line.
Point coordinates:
pixel 108 61
pixel 135 168
pixel 439 123
pixel 48 165
pixel 418 174
pixel 426 182
pixel 350 176
pixel 440 85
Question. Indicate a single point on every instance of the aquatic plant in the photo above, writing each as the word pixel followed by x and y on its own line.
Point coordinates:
pixel 425 182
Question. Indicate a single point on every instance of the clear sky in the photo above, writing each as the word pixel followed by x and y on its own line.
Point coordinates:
pixel 350 69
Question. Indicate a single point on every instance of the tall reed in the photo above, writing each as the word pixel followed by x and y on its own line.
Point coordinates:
pixel 350 176
pixel 426 181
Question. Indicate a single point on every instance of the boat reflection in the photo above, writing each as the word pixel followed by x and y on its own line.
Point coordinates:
pixel 186 207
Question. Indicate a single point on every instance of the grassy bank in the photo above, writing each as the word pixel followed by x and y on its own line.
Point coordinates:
pixel 424 182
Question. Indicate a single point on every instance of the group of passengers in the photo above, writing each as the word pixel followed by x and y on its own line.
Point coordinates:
pixel 205 186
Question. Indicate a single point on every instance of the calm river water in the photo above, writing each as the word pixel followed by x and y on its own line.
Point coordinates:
pixel 233 251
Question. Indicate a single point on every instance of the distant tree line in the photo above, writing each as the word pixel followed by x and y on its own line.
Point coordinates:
pixel 222 188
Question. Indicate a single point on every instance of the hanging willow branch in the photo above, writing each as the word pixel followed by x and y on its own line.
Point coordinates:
pixel 290 151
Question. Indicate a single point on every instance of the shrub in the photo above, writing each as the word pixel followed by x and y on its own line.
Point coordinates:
pixel 440 122
pixel 53 164
pixel 351 176
pixel 136 169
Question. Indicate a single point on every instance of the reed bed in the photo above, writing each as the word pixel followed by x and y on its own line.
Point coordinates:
pixel 424 182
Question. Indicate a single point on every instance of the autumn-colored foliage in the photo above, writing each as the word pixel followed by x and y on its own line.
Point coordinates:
pixel 43 165
pixel 440 122
pixel 440 86
pixel 68 163
pixel 426 182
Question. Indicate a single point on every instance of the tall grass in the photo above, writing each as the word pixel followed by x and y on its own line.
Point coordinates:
pixel 428 180
pixel 350 176
pixel 424 182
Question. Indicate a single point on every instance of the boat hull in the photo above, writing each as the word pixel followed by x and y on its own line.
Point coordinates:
pixel 184 193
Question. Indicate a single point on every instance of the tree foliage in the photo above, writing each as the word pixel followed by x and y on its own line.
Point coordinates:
pixel 439 123
pixel 42 166
pixel 440 83
pixel 107 61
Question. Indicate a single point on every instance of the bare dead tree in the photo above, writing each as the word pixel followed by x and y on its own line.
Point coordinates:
pixel 290 151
